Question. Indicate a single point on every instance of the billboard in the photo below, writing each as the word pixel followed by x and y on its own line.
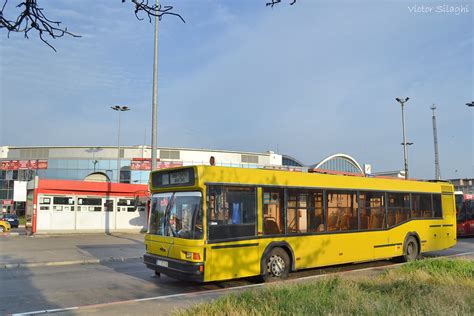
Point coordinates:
pixel 145 164
pixel 19 191
pixel 23 164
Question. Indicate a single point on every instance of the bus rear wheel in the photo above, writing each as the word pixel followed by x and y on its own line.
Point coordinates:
pixel 277 265
pixel 411 250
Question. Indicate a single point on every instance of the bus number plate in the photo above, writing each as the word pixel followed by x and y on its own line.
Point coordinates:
pixel 162 263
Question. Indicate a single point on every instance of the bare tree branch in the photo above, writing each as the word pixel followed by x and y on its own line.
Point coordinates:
pixel 31 18
pixel 153 10
pixel 273 2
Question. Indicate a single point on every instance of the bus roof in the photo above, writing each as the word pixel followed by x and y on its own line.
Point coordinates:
pixel 269 177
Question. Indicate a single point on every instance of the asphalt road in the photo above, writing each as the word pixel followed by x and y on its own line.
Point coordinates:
pixel 33 289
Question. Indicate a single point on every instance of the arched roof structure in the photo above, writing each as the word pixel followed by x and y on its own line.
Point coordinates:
pixel 339 163
pixel 97 177
pixel 290 161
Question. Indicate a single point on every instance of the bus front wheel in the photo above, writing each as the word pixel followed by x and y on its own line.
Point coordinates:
pixel 277 265
pixel 411 250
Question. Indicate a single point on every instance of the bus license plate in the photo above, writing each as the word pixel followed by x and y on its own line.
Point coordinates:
pixel 162 263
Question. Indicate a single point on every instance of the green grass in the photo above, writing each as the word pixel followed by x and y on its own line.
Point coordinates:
pixel 425 287
pixel 21 219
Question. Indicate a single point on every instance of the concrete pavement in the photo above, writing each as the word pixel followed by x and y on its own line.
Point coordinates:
pixel 125 287
pixel 168 304
pixel 34 251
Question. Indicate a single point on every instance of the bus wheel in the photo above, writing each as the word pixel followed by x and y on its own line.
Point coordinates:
pixel 411 250
pixel 277 265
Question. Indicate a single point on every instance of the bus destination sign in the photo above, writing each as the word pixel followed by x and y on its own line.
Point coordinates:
pixel 181 177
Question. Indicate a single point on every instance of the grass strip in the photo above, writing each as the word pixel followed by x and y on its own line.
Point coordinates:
pixel 424 287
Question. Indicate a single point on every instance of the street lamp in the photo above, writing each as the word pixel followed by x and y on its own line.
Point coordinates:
pixel 405 156
pixel 470 104
pixel 119 109
pixel 154 108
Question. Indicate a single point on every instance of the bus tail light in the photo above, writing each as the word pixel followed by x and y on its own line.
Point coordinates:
pixel 201 269
pixel 192 255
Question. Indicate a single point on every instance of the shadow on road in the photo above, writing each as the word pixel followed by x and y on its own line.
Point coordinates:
pixel 18 292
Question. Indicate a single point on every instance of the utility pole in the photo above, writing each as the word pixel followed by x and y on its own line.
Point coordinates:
pixel 154 112
pixel 435 139
pixel 405 154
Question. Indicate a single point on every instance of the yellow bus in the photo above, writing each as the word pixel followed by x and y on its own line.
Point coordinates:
pixel 211 223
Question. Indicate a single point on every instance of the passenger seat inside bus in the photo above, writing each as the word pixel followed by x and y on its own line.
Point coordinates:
pixel 270 226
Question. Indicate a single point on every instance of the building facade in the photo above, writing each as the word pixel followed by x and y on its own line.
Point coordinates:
pixel 94 163
pixel 466 186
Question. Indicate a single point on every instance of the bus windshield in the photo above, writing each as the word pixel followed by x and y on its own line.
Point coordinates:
pixel 466 212
pixel 176 214
pixel 459 201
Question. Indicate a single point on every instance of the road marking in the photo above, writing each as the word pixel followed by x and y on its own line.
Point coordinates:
pixel 210 292
pixel 461 254
pixel 45 311
pixel 66 263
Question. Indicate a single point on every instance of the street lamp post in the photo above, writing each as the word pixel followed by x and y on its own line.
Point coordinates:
pixel 154 112
pixel 435 141
pixel 408 144
pixel 119 109
pixel 405 155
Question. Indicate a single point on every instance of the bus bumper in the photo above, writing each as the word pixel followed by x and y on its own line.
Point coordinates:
pixel 178 269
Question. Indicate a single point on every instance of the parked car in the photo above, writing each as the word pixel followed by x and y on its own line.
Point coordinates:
pixel 4 226
pixel 11 218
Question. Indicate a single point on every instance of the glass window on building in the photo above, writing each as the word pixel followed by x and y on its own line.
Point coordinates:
pixel 53 163
pixel 85 164
pixel 62 164
pixel 112 164
pixel 72 164
pixel 4 194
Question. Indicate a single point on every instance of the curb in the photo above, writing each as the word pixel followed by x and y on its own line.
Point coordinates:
pixel 10 234
pixel 65 263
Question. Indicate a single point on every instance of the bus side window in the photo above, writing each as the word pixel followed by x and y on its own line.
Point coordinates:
pixel 469 209
pixel 342 210
pixel 232 212
pixel 273 218
pixel 372 210
pixel 437 206
pixel 421 205
pixel 398 208
pixel 316 216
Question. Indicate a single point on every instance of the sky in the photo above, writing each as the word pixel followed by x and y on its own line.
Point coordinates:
pixel 308 80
